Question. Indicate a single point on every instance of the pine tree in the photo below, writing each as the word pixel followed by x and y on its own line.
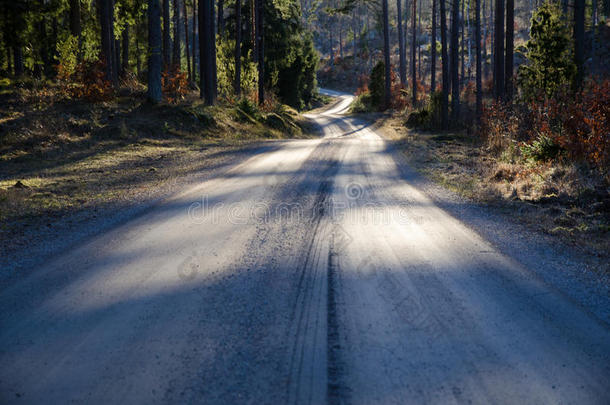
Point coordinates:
pixel 402 70
pixel 510 35
pixel 455 83
pixel 176 54
pixel 413 54
pixel 186 39
pixel 445 73
pixel 260 48
pixel 107 40
pixel 499 50
pixel 477 38
pixel 154 51
pixel 237 84
pixel 433 50
pixel 166 35
pixel 207 44
pixel 579 41
pixel 221 18
pixel 75 24
pixel 549 53
pixel 386 54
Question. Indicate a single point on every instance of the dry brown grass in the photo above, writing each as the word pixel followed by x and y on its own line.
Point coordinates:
pixel 563 199
pixel 59 158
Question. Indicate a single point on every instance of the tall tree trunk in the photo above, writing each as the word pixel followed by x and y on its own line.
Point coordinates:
pixel 107 39
pixel 370 58
pixel 330 44
pixel 455 84
pixel 45 56
pixel 125 49
pixel 253 28
pixel 154 51
pixel 386 54
pixel 579 41
pixel 499 50
pixel 433 50
pixel 176 54
pixel 594 22
pixel 413 54
pixel 195 43
pixel 477 39
pixel 116 47
pixel 186 41
pixel 260 46
pixel 166 35
pixel 510 38
pixel 237 84
pixel 18 60
pixel 212 59
pixel 492 40
pixel 117 56
pixel 340 37
pixel 137 39
pixel 484 41
pixel 402 68
pixel 462 27
pixel 419 29
pixel 469 42
pixel 445 72
pixel 75 26
pixel 208 51
pixel 221 18
pixel 55 36
pixel 9 65
pixel 356 33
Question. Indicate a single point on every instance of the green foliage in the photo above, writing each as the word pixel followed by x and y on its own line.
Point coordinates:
pixel 418 118
pixel 247 110
pixel 90 43
pixel 283 118
pixel 542 149
pixel 274 115
pixel 377 85
pixel 362 103
pixel 225 63
pixel 290 58
pixel 550 64
pixel 428 117
pixel 439 48
pixel 67 55
pixel 434 107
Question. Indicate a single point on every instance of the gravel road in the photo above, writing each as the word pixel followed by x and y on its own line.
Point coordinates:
pixel 308 274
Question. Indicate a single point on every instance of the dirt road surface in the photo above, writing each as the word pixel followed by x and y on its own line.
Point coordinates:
pixel 313 273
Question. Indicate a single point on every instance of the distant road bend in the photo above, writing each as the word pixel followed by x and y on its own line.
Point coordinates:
pixel 309 274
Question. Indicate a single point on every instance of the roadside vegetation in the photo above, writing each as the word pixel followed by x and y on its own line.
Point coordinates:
pixel 62 159
pixel 108 104
pixel 108 90
pixel 538 147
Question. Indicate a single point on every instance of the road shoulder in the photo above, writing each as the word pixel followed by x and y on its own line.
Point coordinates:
pixel 571 270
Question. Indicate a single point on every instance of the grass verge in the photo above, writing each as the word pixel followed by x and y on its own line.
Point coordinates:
pixel 560 199
pixel 64 159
